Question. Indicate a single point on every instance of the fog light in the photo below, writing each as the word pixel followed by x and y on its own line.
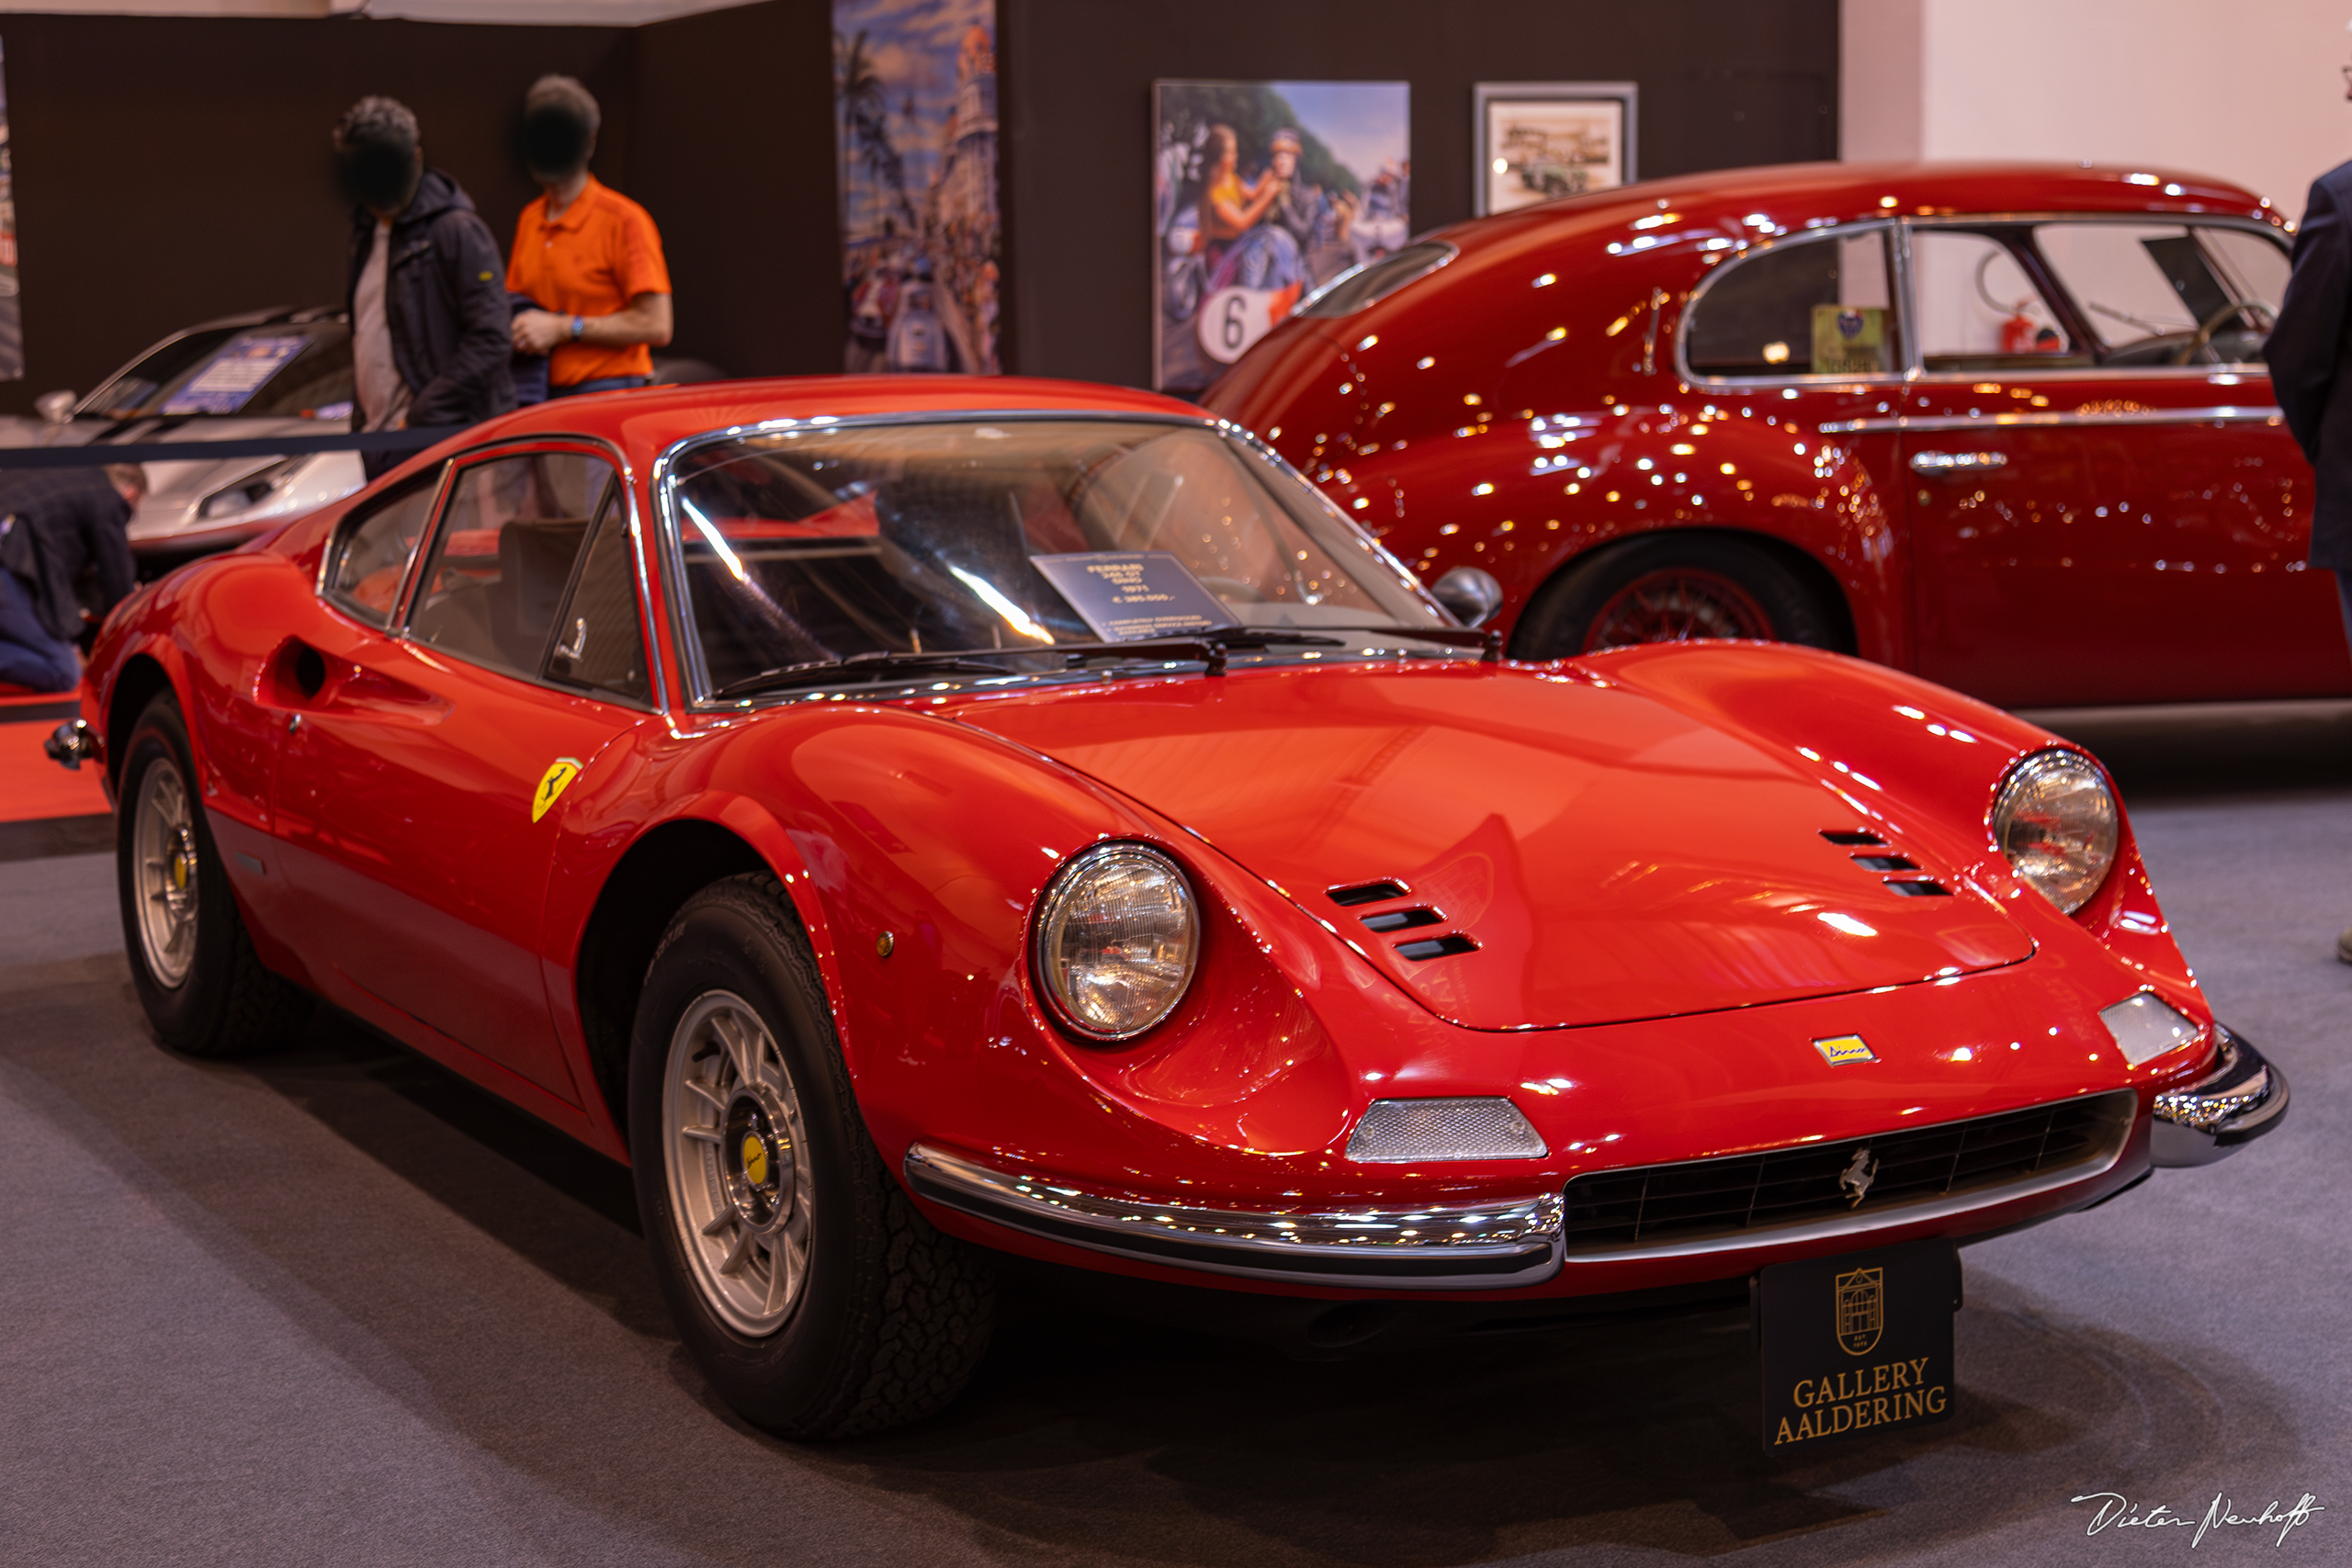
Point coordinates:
pixel 2144 1028
pixel 1398 1132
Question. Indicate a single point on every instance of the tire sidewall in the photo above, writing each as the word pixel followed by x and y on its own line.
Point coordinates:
pixel 1557 623
pixel 788 1379
pixel 189 1013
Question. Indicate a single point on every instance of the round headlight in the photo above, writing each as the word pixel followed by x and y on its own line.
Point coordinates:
pixel 1117 937
pixel 2057 820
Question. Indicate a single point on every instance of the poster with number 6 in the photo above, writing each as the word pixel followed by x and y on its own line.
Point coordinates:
pixel 1263 193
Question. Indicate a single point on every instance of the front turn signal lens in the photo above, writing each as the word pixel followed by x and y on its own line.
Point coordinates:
pixel 1117 934
pixel 2057 821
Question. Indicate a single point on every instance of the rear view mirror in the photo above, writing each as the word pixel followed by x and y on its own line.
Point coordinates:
pixel 1472 595
pixel 54 408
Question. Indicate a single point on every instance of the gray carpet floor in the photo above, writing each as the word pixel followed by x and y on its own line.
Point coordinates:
pixel 338 1307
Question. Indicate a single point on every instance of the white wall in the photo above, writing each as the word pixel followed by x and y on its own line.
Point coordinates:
pixel 2251 90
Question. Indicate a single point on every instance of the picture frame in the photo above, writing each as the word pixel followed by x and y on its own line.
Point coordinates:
pixel 1538 141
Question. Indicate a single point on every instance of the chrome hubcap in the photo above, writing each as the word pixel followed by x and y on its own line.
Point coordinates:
pixel 738 1164
pixel 162 842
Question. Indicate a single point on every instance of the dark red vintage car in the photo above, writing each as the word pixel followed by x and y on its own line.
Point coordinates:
pixel 2007 426
pixel 897 815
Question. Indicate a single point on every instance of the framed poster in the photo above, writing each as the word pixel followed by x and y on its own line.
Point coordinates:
pixel 914 93
pixel 1261 193
pixel 12 321
pixel 1536 141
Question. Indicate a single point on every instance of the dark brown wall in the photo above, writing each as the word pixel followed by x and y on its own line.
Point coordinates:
pixel 1723 82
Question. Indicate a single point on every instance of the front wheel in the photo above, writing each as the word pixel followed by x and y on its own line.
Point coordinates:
pixel 1672 587
pixel 805 1284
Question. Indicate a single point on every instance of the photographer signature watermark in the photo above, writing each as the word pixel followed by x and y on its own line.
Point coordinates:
pixel 2114 1509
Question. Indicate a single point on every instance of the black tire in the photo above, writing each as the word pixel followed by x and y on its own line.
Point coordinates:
pixel 205 992
pixel 891 1316
pixel 1752 596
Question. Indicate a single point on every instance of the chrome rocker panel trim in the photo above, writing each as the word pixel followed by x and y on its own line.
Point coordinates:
pixel 2242 1098
pixel 1477 1247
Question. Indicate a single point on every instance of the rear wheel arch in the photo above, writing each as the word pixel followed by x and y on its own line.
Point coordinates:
pixel 1539 624
pixel 135 685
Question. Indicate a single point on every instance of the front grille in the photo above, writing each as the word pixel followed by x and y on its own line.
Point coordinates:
pixel 1664 1204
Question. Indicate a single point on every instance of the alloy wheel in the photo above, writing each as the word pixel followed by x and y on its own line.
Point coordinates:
pixel 164 841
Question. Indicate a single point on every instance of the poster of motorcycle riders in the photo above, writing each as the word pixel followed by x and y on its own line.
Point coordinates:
pixel 914 88
pixel 1262 192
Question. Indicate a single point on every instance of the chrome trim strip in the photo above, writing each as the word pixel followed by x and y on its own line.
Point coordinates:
pixel 1481 1248
pixel 1882 1218
pixel 2222 415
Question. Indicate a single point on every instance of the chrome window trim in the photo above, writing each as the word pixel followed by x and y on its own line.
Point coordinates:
pixel 2226 414
pixel 1376 1249
pixel 694 680
pixel 1898 283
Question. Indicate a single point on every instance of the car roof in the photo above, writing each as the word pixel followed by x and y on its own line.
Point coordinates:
pixel 1795 196
pixel 649 421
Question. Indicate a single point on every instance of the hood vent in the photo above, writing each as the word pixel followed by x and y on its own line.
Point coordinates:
pixel 1367 893
pixel 1403 919
pixel 1918 887
pixel 1885 863
pixel 1437 947
pixel 1852 840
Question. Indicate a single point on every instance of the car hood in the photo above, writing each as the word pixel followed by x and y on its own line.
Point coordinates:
pixel 1613 859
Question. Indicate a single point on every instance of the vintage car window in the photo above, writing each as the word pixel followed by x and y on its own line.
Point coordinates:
pixel 368 555
pixel 816 545
pixel 1805 307
pixel 1361 288
pixel 600 643
pixel 503 557
pixel 1979 310
pixel 2169 293
pixel 282 371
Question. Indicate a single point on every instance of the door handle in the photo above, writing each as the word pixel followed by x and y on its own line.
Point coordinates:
pixel 1943 465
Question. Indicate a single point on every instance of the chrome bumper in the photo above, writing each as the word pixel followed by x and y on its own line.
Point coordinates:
pixel 71 742
pixel 2242 1098
pixel 1454 1247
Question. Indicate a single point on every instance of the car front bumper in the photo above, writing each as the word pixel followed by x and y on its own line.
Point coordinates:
pixel 2242 1098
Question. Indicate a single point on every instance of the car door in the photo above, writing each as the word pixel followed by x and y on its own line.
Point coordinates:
pixel 415 792
pixel 2197 585
pixel 1999 490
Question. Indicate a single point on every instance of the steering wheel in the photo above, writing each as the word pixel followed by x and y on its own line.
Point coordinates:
pixel 2203 336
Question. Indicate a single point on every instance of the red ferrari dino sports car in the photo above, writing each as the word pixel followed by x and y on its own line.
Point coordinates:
pixel 911 820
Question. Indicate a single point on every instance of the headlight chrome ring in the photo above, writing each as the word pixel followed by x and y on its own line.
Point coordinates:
pixel 2056 820
pixel 1115 939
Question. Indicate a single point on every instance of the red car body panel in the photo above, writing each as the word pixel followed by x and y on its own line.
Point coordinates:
pixel 1637 834
pixel 1524 405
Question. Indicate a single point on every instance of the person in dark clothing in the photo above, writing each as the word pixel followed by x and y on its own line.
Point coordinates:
pixel 427 294
pixel 2309 353
pixel 54 525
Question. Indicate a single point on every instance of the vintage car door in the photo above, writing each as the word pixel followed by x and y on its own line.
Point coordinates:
pixel 2198 586
pixel 413 790
pixel 1999 486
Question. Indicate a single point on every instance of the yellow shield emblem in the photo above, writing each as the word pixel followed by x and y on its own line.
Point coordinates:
pixel 1862 1310
pixel 552 784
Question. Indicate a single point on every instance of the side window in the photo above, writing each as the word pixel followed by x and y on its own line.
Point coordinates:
pixel 501 563
pixel 1978 310
pixel 598 642
pixel 2169 293
pixel 372 547
pixel 1812 306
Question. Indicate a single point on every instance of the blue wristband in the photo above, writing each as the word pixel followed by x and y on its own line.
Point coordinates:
pixel 578 326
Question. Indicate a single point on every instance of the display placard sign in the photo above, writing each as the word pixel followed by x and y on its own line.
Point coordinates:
pixel 1126 594
pixel 234 373
pixel 1857 1343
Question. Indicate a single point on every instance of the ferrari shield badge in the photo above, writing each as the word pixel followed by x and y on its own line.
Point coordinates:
pixel 552 784
pixel 1839 1049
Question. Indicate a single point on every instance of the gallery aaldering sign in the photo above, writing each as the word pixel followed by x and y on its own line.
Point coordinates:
pixel 1857 1343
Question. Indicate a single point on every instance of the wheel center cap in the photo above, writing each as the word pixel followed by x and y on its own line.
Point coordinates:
pixel 757 1150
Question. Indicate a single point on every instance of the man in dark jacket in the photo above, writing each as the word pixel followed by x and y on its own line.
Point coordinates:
pixel 2311 373
pixel 54 523
pixel 429 316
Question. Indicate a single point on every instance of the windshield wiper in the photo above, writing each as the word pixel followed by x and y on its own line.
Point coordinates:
pixel 1490 642
pixel 816 671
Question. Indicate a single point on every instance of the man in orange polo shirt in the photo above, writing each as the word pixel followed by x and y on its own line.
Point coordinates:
pixel 587 256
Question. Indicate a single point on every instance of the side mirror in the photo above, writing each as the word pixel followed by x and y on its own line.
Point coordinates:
pixel 1471 594
pixel 54 408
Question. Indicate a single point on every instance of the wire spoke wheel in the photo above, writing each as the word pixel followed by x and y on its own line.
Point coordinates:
pixel 164 871
pixel 1678 604
pixel 738 1164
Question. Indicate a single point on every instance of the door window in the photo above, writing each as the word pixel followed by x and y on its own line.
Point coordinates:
pixel 2169 293
pixel 1979 310
pixel 1813 306
pixel 599 643
pixel 502 561
pixel 373 545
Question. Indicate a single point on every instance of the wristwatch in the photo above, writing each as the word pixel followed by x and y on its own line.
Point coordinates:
pixel 578 326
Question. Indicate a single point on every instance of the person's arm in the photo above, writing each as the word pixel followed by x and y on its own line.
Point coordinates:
pixel 467 388
pixel 2305 339
pixel 646 318
pixel 106 538
pixel 1240 218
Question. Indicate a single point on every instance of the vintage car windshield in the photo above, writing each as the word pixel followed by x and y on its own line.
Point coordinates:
pixel 280 370
pixel 826 543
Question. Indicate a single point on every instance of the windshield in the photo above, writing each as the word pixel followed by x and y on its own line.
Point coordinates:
pixel 824 544
pixel 286 370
